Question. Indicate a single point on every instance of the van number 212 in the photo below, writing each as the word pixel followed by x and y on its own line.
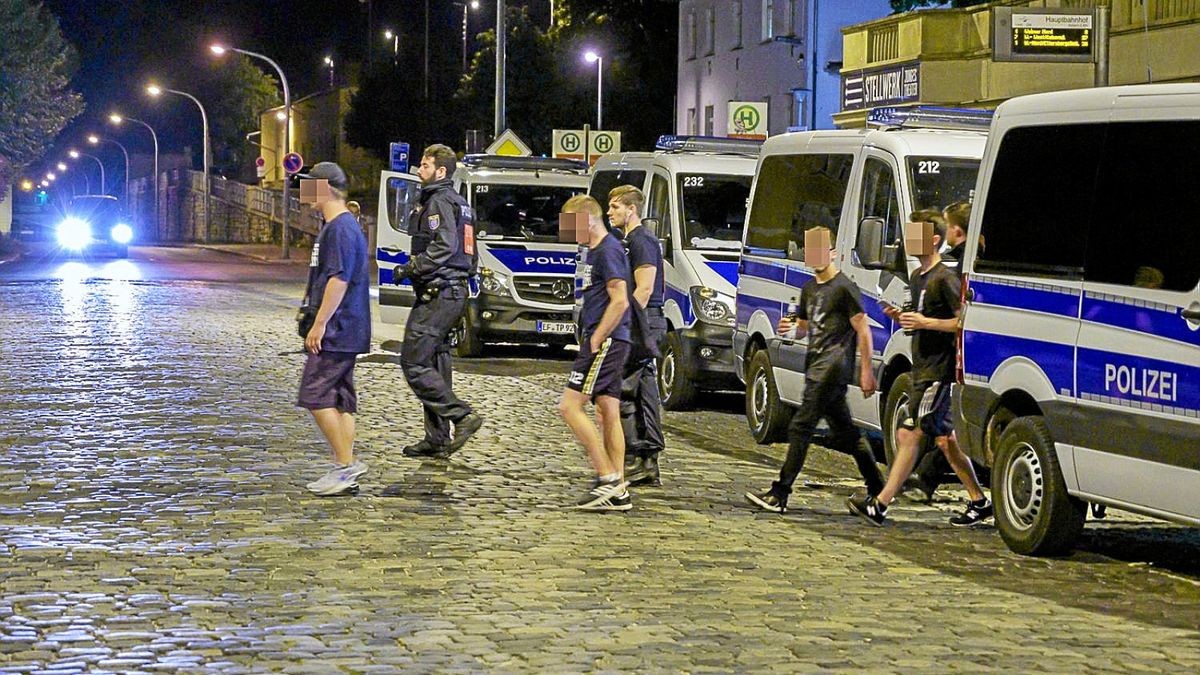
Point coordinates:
pixel 929 166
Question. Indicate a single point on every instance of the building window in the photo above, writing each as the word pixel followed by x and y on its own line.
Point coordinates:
pixel 737 24
pixel 691 121
pixel 691 35
pixel 710 26
pixel 708 120
pixel 768 20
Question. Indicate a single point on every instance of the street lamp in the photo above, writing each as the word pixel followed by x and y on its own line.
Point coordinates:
pixel 593 57
pixel 51 177
pixel 395 38
pixel 96 140
pixel 287 131
pixel 329 62
pixel 117 119
pixel 474 4
pixel 75 154
pixel 156 91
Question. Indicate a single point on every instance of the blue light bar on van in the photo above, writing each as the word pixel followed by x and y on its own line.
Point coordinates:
pixel 719 144
pixel 929 117
pixel 527 163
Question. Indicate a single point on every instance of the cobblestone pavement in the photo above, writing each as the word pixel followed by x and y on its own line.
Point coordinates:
pixel 153 518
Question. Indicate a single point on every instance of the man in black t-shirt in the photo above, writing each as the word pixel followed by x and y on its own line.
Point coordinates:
pixel 641 404
pixel 830 312
pixel 935 291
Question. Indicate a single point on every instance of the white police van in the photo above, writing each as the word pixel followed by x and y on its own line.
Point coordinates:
pixel 844 180
pixel 524 289
pixel 696 192
pixel 1080 343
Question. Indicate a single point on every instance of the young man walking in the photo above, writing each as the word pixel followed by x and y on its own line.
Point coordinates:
pixel 603 350
pixel 641 404
pixel 830 313
pixel 339 277
pixel 935 298
pixel 443 259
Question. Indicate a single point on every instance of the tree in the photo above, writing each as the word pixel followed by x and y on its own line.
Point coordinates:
pixel 236 93
pixel 909 5
pixel 386 108
pixel 35 70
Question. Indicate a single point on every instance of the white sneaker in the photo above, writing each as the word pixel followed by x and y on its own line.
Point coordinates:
pixel 340 479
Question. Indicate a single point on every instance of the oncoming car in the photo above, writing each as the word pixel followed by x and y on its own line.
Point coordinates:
pixel 94 224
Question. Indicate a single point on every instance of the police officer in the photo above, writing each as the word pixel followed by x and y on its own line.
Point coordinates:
pixel 442 259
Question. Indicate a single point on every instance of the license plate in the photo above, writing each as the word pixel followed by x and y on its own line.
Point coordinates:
pixel 560 327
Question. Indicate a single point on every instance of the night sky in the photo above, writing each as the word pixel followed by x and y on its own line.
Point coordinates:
pixel 123 44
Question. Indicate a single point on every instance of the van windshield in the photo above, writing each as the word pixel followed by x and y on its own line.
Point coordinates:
pixel 938 182
pixel 714 210
pixel 525 212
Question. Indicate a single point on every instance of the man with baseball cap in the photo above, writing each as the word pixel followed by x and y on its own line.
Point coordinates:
pixel 339 289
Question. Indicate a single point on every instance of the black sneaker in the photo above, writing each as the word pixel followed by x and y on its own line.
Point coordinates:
pixel 975 513
pixel 868 508
pixel 463 430
pixel 768 501
pixel 600 491
pixel 617 502
pixel 422 448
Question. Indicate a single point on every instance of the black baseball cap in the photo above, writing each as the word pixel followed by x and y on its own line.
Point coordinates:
pixel 328 171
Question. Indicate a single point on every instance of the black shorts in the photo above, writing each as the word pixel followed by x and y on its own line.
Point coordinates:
pixel 929 409
pixel 599 374
pixel 328 382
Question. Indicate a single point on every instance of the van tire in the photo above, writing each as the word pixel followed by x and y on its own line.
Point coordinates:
pixel 1034 513
pixel 676 378
pixel 897 396
pixel 469 345
pixel 767 416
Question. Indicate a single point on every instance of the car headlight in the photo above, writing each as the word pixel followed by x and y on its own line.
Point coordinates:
pixel 122 233
pixel 74 234
pixel 710 307
pixel 493 282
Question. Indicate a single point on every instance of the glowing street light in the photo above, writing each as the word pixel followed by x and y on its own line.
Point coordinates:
pixel 62 168
pixel 96 140
pixel 51 177
pixel 593 57
pixel 117 119
pixel 329 62
pixel 156 91
pixel 75 154
pixel 395 40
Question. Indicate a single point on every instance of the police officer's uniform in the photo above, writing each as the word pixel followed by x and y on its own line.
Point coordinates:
pixel 443 259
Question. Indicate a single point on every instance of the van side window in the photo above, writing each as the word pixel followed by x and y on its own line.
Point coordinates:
pixel 879 198
pixel 1148 203
pixel 401 198
pixel 1039 201
pixel 795 193
pixel 604 181
pixel 659 206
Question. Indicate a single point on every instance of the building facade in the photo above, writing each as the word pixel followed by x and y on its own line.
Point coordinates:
pixel 784 53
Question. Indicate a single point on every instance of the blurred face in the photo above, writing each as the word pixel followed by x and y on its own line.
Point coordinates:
pixel 919 239
pixel 314 191
pixel 818 249
pixel 621 215
pixel 429 171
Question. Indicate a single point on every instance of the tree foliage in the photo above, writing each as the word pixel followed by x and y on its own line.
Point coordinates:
pixel 35 70
pixel 237 92
pixel 909 5
pixel 387 107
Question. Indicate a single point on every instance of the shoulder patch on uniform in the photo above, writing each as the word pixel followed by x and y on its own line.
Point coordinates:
pixel 466 210
pixel 434 221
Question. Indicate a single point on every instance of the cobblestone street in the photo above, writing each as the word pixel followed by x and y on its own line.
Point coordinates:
pixel 153 518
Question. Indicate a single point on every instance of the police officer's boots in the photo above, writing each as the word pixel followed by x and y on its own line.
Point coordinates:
pixel 646 471
pixel 634 465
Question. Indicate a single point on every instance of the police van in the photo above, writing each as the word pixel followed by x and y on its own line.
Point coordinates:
pixel 524 289
pixel 696 191
pixel 849 181
pixel 1080 340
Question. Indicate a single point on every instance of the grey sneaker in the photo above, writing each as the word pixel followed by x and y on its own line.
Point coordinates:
pixel 340 479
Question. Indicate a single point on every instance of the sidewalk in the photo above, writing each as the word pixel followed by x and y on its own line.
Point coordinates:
pixel 267 253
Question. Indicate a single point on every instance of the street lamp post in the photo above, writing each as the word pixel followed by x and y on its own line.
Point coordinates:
pixel 287 135
pixel 75 154
pixel 154 90
pixel 474 4
pixel 395 38
pixel 501 60
pixel 117 119
pixel 593 57
pixel 96 140
pixel 329 62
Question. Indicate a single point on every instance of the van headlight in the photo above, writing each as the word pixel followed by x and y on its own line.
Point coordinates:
pixel 712 307
pixel 74 234
pixel 122 233
pixel 493 282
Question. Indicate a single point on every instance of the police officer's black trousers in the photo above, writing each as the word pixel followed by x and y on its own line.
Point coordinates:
pixel 826 400
pixel 425 359
pixel 641 404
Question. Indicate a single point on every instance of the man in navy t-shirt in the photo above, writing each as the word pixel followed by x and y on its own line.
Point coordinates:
pixel 339 285
pixel 600 367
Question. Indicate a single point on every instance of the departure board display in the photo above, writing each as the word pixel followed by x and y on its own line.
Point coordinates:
pixel 1036 34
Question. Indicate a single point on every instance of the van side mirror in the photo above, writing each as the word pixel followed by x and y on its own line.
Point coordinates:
pixel 872 249
pixel 654 225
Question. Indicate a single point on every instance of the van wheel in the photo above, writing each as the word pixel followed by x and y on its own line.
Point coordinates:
pixel 767 416
pixel 895 409
pixel 1034 513
pixel 676 381
pixel 468 343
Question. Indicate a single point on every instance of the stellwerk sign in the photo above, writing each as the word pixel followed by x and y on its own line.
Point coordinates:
pixel 881 86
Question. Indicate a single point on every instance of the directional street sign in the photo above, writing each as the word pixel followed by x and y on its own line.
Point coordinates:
pixel 293 162
pixel 508 143
pixel 568 143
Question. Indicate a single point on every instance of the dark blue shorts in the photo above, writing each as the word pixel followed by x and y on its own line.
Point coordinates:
pixel 929 409
pixel 599 374
pixel 328 382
